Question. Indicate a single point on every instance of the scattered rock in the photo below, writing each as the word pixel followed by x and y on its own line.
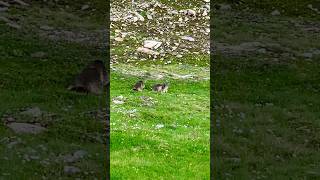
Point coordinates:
pixel 140 18
pixel 8 119
pixel 3 9
pixel 39 54
pixel 189 12
pixel 76 156
pixel 118 100
pixel 14 25
pixel 151 44
pixel 159 126
pixel 46 28
pixel 147 51
pixel 80 154
pixel 13 143
pixel 188 38
pixel 119 39
pixel 224 7
pixel 71 170
pixel 275 13
pixel 34 112
pixel 2 3
pixel 307 55
pixel 26 128
pixel 313 8
pixel 149 17
pixel 20 2
pixel 85 7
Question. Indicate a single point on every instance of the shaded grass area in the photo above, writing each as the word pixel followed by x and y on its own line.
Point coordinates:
pixel 291 8
pixel 179 149
pixel 267 119
pixel 28 82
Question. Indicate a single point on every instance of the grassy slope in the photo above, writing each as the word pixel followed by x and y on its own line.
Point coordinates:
pixel 179 150
pixel 293 8
pixel 267 112
pixel 27 82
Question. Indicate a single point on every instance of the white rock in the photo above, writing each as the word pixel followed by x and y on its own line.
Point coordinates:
pixel 119 39
pixel 189 12
pixel 135 19
pixel 188 38
pixel 205 13
pixel 149 16
pixel 140 18
pixel 152 44
pixel 147 51
pixel 159 126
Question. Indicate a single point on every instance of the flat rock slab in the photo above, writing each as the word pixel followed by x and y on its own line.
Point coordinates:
pixel 35 112
pixel 25 128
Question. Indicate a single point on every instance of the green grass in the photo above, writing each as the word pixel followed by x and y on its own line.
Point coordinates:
pixel 290 8
pixel 266 112
pixel 179 150
pixel 29 82
pixel 269 120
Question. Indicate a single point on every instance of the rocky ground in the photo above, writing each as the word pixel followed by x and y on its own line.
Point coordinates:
pixel 157 31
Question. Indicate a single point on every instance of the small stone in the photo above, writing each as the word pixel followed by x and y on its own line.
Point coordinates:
pixel 13 143
pixel 275 13
pixel 149 16
pixel 85 7
pixel 14 25
pixel 140 18
pixel 190 12
pixel 21 2
pixel 3 9
pixel 225 7
pixel 71 170
pixel 188 38
pixel 39 54
pixel 151 44
pixel 46 28
pixel 80 154
pixel 26 128
pixel 159 126
pixel 118 39
pixel 35 111
pixel 262 50
pixel 4 19
pixel 2 3
pixel 147 51
pixel 307 55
